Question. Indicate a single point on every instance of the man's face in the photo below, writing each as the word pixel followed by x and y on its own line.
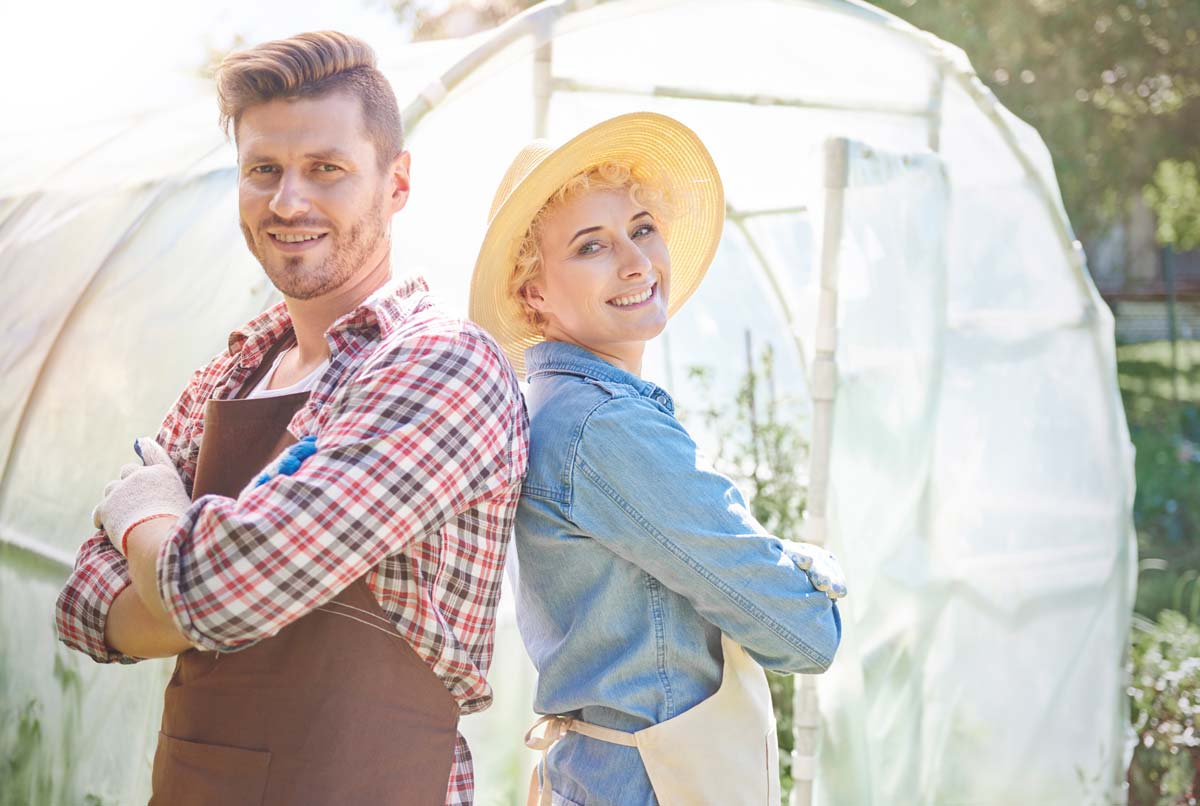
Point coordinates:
pixel 315 206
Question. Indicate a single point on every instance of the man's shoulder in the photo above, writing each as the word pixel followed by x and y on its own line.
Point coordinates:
pixel 212 373
pixel 433 336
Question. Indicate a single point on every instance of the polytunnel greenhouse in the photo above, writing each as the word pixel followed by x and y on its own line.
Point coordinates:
pixel 893 234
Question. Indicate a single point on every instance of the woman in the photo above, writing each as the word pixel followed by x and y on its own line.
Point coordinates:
pixel 642 572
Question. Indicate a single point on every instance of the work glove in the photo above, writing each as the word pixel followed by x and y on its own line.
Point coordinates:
pixel 144 491
pixel 823 569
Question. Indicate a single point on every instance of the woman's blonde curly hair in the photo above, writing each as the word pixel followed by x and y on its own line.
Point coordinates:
pixel 645 188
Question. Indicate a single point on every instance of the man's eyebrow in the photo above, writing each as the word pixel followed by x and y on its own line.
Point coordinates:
pixel 255 157
pixel 330 154
pixel 327 154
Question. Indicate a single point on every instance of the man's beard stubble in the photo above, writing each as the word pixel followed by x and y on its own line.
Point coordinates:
pixel 347 255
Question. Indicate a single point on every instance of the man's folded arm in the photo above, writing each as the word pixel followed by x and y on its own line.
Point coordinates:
pixel 99 589
pixel 401 450
pixel 133 630
pixel 84 605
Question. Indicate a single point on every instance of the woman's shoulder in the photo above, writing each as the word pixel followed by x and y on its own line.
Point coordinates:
pixel 567 412
pixel 574 414
pixel 565 403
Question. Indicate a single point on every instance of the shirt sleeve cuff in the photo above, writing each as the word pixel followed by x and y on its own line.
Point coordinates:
pixel 81 611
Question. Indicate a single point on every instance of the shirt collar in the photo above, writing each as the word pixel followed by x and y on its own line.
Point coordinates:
pixel 384 310
pixel 547 357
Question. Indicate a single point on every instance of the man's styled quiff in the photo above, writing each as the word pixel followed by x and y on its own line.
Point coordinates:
pixel 308 66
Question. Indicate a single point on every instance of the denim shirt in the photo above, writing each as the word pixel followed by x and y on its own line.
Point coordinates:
pixel 633 557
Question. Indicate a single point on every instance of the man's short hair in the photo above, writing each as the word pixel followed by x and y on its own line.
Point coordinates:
pixel 310 65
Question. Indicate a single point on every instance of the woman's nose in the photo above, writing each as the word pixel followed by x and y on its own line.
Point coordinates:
pixel 633 261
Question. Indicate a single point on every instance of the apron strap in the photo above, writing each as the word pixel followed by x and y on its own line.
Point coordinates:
pixel 555 726
pixel 603 734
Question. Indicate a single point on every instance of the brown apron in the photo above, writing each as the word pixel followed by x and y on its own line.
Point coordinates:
pixel 336 708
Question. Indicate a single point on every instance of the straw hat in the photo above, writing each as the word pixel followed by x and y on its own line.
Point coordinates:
pixel 665 145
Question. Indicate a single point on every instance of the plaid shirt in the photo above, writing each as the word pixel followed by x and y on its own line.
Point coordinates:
pixel 422 444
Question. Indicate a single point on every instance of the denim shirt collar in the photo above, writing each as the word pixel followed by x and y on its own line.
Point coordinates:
pixel 549 357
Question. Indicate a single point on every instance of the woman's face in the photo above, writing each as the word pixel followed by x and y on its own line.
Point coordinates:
pixel 605 276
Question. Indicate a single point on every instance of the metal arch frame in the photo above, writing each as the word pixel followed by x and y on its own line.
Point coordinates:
pixel 540 21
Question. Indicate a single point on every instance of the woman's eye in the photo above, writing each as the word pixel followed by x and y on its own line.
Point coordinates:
pixel 643 231
pixel 590 248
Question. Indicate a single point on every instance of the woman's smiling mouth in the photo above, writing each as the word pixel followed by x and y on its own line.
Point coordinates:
pixel 634 300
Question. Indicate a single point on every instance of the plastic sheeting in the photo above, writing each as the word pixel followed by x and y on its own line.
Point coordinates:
pixel 981 467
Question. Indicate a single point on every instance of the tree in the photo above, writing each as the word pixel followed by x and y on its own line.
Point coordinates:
pixel 1113 86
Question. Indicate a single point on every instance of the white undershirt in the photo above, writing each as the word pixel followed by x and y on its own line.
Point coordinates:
pixel 305 384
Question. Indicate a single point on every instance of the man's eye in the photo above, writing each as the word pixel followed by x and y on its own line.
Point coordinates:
pixel 263 169
pixel 328 168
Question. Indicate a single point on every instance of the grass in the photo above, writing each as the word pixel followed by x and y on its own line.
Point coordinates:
pixel 1163 409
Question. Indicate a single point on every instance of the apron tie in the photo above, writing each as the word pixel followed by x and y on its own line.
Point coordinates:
pixel 556 726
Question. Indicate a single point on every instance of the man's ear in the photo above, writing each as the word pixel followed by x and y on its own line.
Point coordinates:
pixel 398 174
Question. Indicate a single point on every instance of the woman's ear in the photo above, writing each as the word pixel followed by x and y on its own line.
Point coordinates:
pixel 531 292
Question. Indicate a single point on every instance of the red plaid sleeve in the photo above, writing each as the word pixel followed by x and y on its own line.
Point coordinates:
pixel 82 607
pixel 423 432
pixel 100 572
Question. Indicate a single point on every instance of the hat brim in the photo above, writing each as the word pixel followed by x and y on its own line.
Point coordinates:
pixel 643 138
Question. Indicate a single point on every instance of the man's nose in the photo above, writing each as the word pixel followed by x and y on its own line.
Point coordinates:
pixel 289 200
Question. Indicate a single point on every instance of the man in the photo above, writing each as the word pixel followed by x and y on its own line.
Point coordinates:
pixel 333 615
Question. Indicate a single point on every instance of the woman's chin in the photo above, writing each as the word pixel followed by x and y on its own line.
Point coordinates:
pixel 644 331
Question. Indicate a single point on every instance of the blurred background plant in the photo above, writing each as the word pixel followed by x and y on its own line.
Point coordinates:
pixel 1163 408
pixel 1166 696
pixel 760 445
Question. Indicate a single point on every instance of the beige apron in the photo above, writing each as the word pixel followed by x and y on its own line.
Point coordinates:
pixel 721 752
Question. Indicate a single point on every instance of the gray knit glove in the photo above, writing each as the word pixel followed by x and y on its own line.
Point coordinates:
pixel 823 569
pixel 144 491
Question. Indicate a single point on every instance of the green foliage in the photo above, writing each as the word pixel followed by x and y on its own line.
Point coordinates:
pixel 1174 196
pixel 1165 701
pixel 758 444
pixel 20 783
pixel 1112 85
pixel 1163 409
pixel 760 447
